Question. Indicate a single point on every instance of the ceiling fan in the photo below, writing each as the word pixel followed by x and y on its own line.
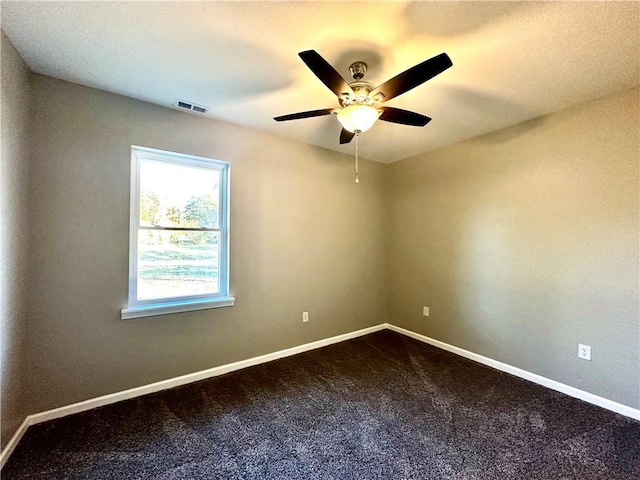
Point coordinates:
pixel 360 102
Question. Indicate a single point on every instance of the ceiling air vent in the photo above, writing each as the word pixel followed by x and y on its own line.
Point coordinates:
pixel 192 107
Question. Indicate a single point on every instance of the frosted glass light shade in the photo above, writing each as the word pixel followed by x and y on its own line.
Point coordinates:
pixel 358 117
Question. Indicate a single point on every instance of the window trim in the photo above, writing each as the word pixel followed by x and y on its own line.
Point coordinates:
pixel 162 306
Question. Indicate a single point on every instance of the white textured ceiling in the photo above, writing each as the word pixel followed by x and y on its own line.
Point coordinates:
pixel 513 61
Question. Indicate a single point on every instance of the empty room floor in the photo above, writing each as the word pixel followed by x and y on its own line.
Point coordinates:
pixel 382 406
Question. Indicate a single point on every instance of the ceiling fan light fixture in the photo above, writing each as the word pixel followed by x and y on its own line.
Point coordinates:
pixel 358 117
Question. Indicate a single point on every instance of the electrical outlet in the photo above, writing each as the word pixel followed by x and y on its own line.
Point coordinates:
pixel 425 311
pixel 305 316
pixel 584 351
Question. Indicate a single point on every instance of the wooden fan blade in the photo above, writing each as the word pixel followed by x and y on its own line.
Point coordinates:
pixel 310 113
pixel 413 77
pixel 405 117
pixel 325 72
pixel 346 136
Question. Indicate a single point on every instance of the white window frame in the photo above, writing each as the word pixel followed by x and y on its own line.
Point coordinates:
pixel 162 306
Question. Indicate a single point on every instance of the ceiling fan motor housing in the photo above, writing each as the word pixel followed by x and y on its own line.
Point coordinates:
pixel 361 89
pixel 360 96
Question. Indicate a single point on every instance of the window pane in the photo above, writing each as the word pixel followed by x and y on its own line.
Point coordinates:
pixel 174 195
pixel 177 263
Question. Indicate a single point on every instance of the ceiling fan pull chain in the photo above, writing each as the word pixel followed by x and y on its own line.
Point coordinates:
pixel 357 132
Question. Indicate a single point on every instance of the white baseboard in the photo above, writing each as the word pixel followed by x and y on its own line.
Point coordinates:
pixel 231 367
pixel 193 377
pixel 532 377
pixel 13 443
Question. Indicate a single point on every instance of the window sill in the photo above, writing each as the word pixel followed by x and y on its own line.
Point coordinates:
pixel 168 308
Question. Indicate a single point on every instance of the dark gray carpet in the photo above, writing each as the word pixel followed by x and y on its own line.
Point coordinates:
pixel 378 407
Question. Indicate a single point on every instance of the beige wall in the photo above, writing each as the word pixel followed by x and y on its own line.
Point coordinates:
pixel 14 236
pixel 524 243
pixel 304 237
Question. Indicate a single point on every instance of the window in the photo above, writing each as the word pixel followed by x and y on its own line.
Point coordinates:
pixel 179 235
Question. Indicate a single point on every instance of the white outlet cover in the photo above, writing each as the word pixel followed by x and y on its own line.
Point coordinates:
pixel 584 351
pixel 305 316
pixel 425 311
